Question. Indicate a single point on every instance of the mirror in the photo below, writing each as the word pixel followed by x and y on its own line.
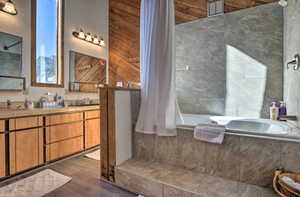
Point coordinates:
pixel 11 62
pixel 86 72
pixel 231 66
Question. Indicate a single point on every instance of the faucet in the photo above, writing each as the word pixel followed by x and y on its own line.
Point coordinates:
pixel 8 104
pixel 131 83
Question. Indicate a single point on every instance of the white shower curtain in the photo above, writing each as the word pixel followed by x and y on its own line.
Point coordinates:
pixel 158 105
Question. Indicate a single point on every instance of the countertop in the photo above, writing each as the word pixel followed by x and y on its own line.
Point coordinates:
pixel 15 113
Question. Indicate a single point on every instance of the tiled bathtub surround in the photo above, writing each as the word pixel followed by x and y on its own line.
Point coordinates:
pixel 234 58
pixel 291 48
pixel 154 179
pixel 244 159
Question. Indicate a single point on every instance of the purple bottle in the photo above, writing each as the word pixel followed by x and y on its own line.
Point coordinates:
pixel 282 109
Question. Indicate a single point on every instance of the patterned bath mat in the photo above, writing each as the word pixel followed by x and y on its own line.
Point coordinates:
pixel 94 155
pixel 36 185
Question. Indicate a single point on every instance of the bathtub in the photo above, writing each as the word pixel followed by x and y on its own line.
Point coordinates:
pixel 239 124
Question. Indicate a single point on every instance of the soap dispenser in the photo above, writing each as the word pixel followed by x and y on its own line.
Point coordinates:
pixel 274 111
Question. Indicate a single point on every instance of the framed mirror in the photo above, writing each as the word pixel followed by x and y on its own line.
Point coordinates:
pixel 11 62
pixel 86 72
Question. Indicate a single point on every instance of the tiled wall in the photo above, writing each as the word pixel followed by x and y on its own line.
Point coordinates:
pixel 229 56
pixel 249 160
pixel 291 48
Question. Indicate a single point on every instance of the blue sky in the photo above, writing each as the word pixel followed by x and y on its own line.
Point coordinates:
pixel 46 27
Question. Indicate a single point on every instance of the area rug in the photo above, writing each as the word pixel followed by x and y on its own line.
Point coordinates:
pixel 94 155
pixel 36 185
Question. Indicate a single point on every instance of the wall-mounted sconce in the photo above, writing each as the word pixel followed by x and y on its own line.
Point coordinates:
pixel 295 63
pixel 93 39
pixel 8 6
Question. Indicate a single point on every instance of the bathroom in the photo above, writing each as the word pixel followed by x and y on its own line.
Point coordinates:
pixel 161 98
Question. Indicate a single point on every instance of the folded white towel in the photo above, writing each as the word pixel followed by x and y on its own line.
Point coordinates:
pixel 291 182
pixel 210 133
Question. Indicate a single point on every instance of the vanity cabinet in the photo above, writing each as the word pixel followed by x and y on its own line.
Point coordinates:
pixel 2 149
pixel 64 135
pixel 92 129
pixel 25 143
pixel 29 141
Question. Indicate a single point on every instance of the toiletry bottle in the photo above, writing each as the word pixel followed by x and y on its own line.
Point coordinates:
pixel 274 111
pixel 282 109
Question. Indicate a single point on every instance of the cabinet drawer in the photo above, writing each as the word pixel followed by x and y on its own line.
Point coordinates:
pixel 2 126
pixel 64 118
pixel 25 123
pixel 64 131
pixel 92 114
pixel 92 133
pixel 2 156
pixel 64 148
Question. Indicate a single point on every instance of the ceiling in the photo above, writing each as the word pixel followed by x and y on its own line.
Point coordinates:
pixel 188 10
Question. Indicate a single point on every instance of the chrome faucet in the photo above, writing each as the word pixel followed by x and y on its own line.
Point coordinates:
pixel 131 83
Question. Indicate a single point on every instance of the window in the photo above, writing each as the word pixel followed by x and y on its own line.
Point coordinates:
pixel 47 43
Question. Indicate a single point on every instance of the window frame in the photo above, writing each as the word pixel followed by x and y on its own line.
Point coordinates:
pixel 59 48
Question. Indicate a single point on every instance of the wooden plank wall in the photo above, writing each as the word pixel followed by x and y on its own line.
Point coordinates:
pixel 124 20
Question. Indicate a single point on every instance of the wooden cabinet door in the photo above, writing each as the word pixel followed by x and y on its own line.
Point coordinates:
pixel 92 133
pixel 2 156
pixel 25 150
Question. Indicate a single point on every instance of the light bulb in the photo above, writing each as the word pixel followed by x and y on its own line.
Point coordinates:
pixel 96 40
pixel 81 34
pixel 9 7
pixel 102 43
pixel 89 37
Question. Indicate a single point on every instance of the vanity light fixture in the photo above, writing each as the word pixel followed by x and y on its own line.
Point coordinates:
pixel 8 6
pixel 94 39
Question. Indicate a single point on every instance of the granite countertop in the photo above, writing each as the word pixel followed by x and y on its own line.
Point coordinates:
pixel 15 113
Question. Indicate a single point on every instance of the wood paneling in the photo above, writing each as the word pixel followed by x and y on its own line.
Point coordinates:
pixel 2 156
pixel 62 132
pixel 25 150
pixel 64 148
pixel 124 24
pixel 92 133
pixel 64 118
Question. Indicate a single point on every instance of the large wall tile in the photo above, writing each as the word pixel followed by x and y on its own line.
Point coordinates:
pixel 165 150
pixel 290 156
pixel 191 152
pixel 144 146
pixel 256 35
pixel 224 160
pixel 259 160
pixel 174 192
pixel 138 184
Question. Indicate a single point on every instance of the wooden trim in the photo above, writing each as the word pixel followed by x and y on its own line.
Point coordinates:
pixel 60 55
pixel 111 134
pixel 2 126
pixel 12 153
pixel 2 156
pixel 104 133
